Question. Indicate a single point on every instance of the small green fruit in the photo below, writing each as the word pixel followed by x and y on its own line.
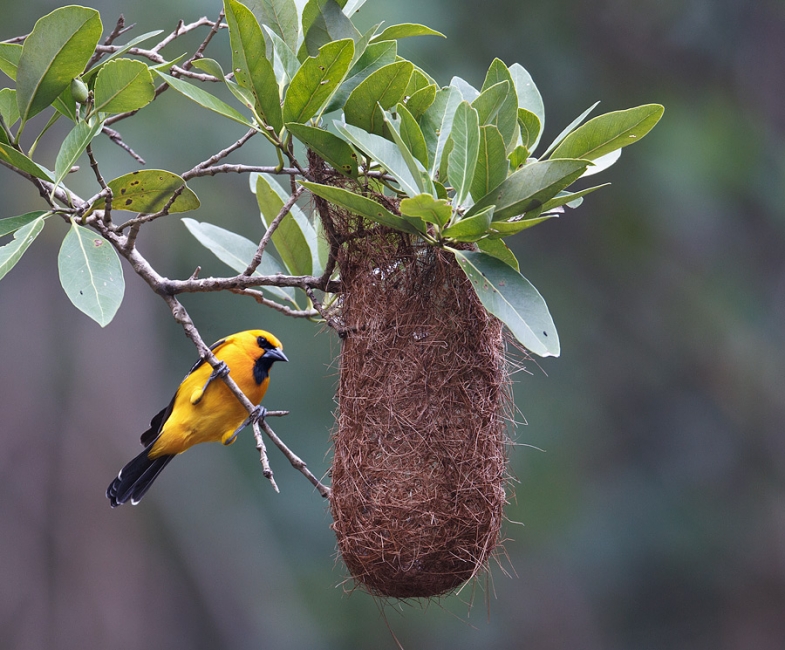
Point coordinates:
pixel 79 90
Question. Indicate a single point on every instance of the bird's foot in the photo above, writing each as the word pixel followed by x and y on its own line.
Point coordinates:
pixel 221 370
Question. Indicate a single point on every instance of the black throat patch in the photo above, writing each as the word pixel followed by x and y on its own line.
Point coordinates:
pixel 261 369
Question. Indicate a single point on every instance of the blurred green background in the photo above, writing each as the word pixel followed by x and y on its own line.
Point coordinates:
pixel 655 518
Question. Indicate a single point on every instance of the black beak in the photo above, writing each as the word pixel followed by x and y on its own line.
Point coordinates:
pixel 274 354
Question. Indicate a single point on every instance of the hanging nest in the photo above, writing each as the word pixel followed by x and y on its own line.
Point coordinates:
pixel 419 469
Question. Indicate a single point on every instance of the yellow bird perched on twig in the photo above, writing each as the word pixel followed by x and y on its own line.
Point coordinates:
pixel 197 414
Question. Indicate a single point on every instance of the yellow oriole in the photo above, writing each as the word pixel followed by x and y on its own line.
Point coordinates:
pixel 197 414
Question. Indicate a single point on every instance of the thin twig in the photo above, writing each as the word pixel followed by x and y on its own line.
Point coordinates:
pixel 152 55
pixel 220 155
pixel 258 296
pixel 16 39
pixel 323 311
pixel 203 46
pixel 115 137
pixel 240 169
pixel 296 461
pixel 107 216
pixel 118 30
pixel 266 469
pixel 177 71
pixel 257 258
pixel 181 29
pixel 133 233
pixel 96 171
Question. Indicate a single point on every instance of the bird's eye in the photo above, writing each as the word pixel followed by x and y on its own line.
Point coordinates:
pixel 262 342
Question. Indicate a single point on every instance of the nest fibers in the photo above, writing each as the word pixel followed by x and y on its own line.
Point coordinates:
pixel 419 470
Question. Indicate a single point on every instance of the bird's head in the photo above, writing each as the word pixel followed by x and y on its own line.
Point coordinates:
pixel 265 348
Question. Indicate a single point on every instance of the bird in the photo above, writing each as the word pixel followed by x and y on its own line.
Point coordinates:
pixel 202 409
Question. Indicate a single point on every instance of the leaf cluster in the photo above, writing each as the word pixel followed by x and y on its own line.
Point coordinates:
pixel 462 165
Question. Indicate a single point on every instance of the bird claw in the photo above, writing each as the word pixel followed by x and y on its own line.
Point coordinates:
pixel 221 370
pixel 259 414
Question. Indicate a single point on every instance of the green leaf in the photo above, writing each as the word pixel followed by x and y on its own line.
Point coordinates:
pixel 602 163
pixel 374 57
pixel 237 252
pixel 506 118
pixel 9 58
pixel 565 198
pixel 420 100
pixel 285 63
pixel 531 128
pixel 501 229
pixel 352 6
pixel 316 80
pixel 462 160
pixel 328 146
pixel 380 91
pixel 9 111
pixel 210 66
pixel 570 127
pixel 529 99
pixel 361 44
pixel 518 157
pixel 91 274
pixel 471 228
pixel 427 208
pixel 445 160
pixel 530 187
pixel 489 102
pixel 436 124
pixel 250 65
pixel 11 224
pixel 243 95
pixel 405 30
pixel 492 163
pixel 123 85
pixel 206 100
pixel 56 51
pixel 148 191
pixel 606 133
pixel 468 92
pixel 65 104
pixel 20 161
pixel 498 249
pixel 12 252
pixel 384 152
pixel 419 80
pixel 323 22
pixel 361 205
pixel 510 297
pixel 411 134
pixel 294 238
pixel 74 146
pixel 415 167
pixel 280 16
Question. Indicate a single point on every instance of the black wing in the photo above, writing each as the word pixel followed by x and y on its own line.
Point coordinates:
pixel 157 423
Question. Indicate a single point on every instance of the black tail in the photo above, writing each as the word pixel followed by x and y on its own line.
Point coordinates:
pixel 135 478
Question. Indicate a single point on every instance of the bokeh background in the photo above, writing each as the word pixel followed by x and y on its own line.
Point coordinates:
pixel 650 505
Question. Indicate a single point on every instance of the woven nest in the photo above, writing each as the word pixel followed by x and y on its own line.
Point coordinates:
pixel 419 470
